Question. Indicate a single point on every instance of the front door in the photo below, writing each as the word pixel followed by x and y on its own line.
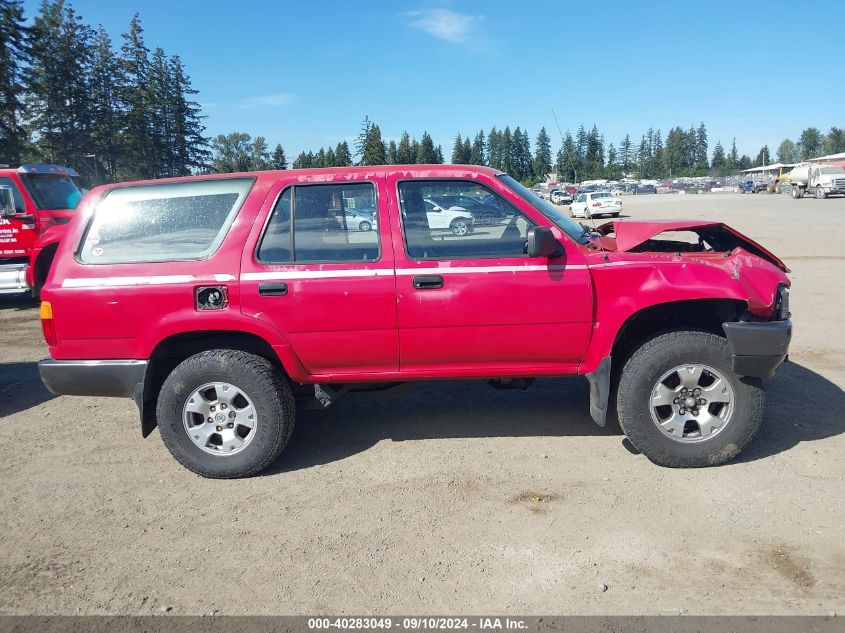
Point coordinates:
pixel 18 232
pixel 475 303
pixel 321 271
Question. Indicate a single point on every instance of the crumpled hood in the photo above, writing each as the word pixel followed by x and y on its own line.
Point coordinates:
pixel 625 235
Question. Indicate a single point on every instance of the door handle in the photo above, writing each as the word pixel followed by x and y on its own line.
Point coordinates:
pixel 273 289
pixel 428 282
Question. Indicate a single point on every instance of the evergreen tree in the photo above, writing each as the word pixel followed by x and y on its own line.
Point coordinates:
pixel 61 112
pixel 278 160
pixel 542 156
pixel 524 160
pixel 458 151
pixel 331 159
pixel 426 153
pixel 14 54
pixel 438 155
pixel 158 90
pixel 190 145
pixel 301 161
pixel 135 159
pixel 404 155
pixel 343 157
pixel 643 157
pixel 719 163
pixel 374 152
pixel 593 155
pixel 392 153
pixel 320 158
pixel 744 162
pixel 363 138
pixel 467 151
pixel 733 157
pixel 506 151
pixel 581 143
pixel 701 162
pixel 494 149
pixel 415 149
pixel 626 154
pixel 763 157
pixel 476 156
pixel 106 82
pixel 568 161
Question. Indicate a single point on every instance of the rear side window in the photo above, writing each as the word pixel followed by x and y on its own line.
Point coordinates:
pixel 163 222
pixel 331 223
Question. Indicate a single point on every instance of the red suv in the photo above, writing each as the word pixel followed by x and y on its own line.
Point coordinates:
pixel 213 301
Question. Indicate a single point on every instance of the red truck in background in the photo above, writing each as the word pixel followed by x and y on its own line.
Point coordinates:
pixel 36 203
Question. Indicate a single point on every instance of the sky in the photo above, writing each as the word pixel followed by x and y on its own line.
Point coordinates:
pixel 306 73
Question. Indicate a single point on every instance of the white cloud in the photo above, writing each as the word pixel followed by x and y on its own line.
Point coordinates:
pixel 446 24
pixel 268 101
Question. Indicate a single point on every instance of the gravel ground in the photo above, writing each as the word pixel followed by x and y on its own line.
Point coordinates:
pixel 454 498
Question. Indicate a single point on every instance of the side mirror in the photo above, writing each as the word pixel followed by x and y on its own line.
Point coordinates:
pixel 7 202
pixel 542 242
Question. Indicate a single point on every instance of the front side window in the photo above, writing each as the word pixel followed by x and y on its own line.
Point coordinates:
pixel 331 223
pixel 20 206
pixel 459 219
pixel 163 222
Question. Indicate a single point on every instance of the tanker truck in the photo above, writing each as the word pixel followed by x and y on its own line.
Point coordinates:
pixel 817 179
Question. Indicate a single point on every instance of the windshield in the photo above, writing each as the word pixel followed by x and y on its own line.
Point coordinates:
pixel 52 192
pixel 831 170
pixel 573 230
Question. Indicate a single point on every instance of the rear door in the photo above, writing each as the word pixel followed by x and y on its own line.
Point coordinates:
pixel 476 304
pixel 325 282
pixel 17 233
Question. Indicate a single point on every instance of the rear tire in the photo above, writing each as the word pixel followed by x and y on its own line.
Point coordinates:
pixel 670 435
pixel 268 394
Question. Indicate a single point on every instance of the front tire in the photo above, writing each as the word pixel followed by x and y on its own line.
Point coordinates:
pixel 821 194
pixel 681 405
pixel 365 226
pixel 225 414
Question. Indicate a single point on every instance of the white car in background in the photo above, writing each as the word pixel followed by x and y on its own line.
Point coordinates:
pixel 595 204
pixel 455 219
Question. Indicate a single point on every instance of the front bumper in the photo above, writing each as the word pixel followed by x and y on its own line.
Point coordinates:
pixel 110 378
pixel 758 348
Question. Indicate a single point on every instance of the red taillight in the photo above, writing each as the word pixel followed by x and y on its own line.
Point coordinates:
pixel 48 327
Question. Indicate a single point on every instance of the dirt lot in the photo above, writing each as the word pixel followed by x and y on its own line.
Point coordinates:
pixel 455 498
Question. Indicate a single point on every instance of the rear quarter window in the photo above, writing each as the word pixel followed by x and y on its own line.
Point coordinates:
pixel 163 222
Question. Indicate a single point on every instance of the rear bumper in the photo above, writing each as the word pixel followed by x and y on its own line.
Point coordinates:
pixel 758 348
pixel 110 378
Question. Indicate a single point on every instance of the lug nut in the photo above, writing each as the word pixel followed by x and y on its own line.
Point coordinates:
pixel 232 414
pixel 211 419
pixel 230 425
pixel 212 408
pixel 219 428
pixel 222 406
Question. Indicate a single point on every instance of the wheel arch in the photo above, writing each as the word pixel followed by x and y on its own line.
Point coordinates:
pixel 172 350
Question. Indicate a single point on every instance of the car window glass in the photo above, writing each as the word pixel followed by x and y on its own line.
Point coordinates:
pixel 163 222
pixel 331 223
pixel 20 207
pixel 485 225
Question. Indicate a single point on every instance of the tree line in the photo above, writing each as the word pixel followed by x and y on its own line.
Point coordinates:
pixel 68 96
